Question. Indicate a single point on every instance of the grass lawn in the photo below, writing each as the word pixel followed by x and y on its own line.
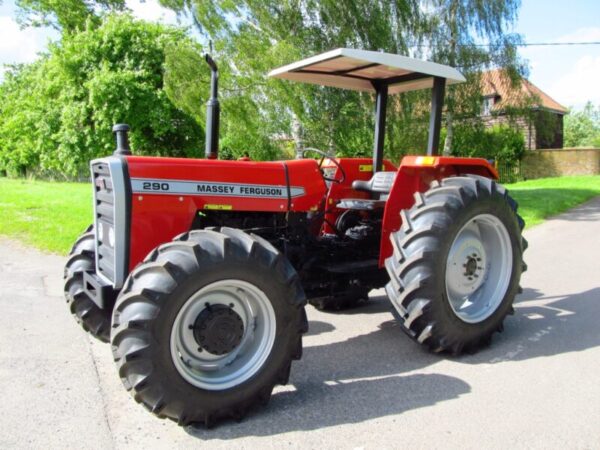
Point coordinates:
pixel 539 199
pixel 48 215
pixel 51 215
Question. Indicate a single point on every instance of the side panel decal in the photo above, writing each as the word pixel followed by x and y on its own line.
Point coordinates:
pixel 177 187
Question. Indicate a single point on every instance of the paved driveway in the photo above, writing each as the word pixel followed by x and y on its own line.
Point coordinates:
pixel 360 384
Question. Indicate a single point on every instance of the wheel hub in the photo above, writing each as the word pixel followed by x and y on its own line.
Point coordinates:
pixel 478 268
pixel 467 263
pixel 470 266
pixel 223 334
pixel 218 329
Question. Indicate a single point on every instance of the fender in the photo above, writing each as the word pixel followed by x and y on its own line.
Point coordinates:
pixel 415 174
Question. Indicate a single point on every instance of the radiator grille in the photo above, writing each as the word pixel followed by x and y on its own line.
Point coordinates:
pixel 104 207
pixel 112 193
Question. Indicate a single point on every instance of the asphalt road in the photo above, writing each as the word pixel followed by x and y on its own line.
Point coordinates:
pixel 360 384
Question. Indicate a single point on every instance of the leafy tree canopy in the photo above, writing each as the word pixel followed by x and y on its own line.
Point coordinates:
pixel 253 36
pixel 582 128
pixel 57 114
pixel 154 77
pixel 67 15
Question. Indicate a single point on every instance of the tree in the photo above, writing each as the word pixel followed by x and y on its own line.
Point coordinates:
pixel 20 112
pixel 57 114
pixel 470 35
pixel 582 128
pixel 253 36
pixel 68 15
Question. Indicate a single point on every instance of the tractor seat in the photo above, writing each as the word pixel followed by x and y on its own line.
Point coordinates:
pixel 379 185
pixel 380 182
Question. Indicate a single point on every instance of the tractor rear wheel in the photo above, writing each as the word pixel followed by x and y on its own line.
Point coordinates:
pixel 457 262
pixel 207 325
pixel 82 259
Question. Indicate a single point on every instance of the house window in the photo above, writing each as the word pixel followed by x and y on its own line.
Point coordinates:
pixel 486 108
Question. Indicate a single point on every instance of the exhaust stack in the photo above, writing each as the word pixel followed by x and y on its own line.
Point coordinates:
pixel 212 113
pixel 121 130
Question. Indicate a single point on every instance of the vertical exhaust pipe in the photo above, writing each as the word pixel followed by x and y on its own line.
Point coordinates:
pixel 212 113
pixel 121 130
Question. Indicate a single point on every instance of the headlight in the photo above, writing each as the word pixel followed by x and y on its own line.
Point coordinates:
pixel 111 236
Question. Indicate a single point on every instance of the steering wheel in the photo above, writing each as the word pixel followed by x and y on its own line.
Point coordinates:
pixel 330 158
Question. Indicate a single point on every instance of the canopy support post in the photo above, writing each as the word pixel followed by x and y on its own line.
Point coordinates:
pixel 435 117
pixel 380 116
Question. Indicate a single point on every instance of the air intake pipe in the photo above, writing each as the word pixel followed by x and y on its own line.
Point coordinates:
pixel 212 112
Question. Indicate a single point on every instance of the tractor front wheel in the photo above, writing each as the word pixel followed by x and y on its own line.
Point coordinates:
pixel 82 259
pixel 207 325
pixel 457 263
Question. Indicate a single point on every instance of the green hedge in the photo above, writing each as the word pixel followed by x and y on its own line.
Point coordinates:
pixel 501 142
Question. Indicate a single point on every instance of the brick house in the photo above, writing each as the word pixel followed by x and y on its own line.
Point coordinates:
pixel 539 116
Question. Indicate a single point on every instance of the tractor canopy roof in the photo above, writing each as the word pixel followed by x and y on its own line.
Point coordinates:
pixel 362 70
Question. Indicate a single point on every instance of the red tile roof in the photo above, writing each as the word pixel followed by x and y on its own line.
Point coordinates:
pixel 497 83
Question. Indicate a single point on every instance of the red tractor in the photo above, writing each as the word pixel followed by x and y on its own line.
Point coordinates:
pixel 198 271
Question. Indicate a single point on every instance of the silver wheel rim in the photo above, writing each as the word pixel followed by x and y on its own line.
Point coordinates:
pixel 478 268
pixel 222 371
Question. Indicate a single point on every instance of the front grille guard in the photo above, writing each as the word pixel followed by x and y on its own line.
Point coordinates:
pixel 117 171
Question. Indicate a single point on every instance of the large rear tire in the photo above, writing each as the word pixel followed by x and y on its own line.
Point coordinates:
pixel 207 325
pixel 457 262
pixel 82 259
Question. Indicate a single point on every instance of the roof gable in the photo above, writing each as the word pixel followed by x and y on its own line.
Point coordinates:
pixel 498 83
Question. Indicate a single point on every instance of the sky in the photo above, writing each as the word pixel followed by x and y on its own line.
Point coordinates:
pixel 569 74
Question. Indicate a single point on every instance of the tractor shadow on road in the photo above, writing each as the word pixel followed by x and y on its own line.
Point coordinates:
pixel 375 305
pixel 546 326
pixel 367 376
pixel 316 327
pixel 352 381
